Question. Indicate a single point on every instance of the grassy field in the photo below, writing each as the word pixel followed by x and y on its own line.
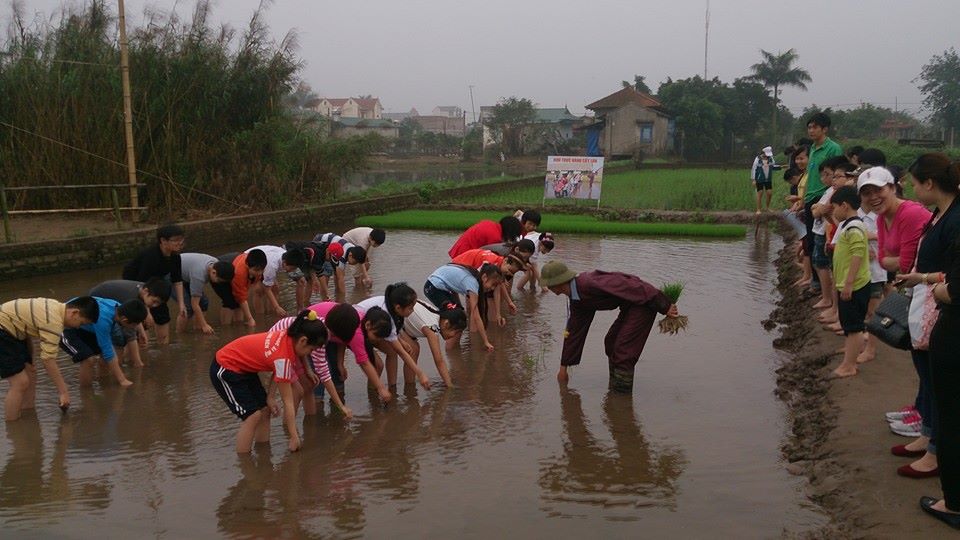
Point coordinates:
pixel 690 189
pixel 461 220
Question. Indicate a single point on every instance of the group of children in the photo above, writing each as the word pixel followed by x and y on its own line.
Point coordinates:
pixel 305 353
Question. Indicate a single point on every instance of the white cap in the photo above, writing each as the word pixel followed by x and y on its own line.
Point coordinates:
pixel 875 176
pixel 768 151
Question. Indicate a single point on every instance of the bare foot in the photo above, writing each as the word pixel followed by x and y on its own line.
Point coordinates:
pixel 823 304
pixel 865 357
pixel 842 373
pixel 835 326
pixel 941 506
pixel 828 317
pixel 802 284
pixel 126 382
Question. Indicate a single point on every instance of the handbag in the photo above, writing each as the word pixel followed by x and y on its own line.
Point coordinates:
pixel 922 317
pixel 890 321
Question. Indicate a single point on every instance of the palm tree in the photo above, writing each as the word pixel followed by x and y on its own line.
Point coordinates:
pixel 777 71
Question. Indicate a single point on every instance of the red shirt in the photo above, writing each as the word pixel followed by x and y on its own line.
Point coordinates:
pixel 477 236
pixel 474 258
pixel 269 351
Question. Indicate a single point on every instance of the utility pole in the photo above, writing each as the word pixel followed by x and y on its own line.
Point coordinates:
pixel 127 111
pixel 473 107
pixel 706 39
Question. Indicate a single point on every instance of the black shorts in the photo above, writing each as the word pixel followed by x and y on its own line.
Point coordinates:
pixel 82 344
pixel 14 355
pixel 224 290
pixel 764 185
pixel 853 312
pixel 160 314
pixel 242 392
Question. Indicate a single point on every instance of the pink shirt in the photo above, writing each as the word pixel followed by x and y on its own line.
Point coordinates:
pixel 318 358
pixel 357 345
pixel 901 238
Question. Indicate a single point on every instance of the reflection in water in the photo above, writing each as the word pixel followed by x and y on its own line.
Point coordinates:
pixel 627 473
pixel 27 492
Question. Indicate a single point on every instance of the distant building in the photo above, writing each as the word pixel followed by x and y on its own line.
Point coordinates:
pixel 555 123
pixel 401 116
pixel 369 108
pixel 897 129
pixel 627 121
pixel 348 127
pixel 449 111
pixel 445 125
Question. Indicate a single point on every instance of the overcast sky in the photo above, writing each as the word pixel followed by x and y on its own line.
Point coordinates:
pixel 419 53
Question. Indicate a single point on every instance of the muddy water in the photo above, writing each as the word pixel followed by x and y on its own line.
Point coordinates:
pixel 692 453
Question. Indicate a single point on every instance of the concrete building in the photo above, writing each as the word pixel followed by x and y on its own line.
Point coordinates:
pixel 627 121
pixel 449 111
pixel 400 116
pixel 368 108
pixel 348 127
pixel 445 125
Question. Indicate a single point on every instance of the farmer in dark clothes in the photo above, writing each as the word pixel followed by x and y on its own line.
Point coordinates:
pixel 589 292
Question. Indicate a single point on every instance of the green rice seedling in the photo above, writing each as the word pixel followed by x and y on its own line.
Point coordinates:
pixel 461 220
pixel 673 325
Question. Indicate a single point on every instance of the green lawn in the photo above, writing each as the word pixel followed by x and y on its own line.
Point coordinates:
pixel 684 189
pixel 461 220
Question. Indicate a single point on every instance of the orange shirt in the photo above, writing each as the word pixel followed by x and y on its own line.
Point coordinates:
pixel 241 278
pixel 474 258
pixel 269 351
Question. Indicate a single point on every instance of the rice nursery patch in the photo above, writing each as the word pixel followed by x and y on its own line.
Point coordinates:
pixel 682 189
pixel 461 220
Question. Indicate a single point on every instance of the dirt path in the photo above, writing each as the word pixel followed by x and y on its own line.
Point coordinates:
pixel 839 439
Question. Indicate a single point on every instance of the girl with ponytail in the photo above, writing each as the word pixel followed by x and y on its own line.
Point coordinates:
pixel 447 283
pixel 354 329
pixel 446 324
pixel 398 301
pixel 234 370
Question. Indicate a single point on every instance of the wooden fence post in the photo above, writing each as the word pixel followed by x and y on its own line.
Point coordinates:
pixel 6 216
pixel 116 207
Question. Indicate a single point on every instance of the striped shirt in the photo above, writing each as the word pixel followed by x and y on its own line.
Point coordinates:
pixel 319 356
pixel 41 318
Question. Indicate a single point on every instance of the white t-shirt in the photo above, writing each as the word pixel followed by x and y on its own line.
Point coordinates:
pixel 380 302
pixel 421 317
pixel 877 273
pixel 274 258
pixel 535 238
pixel 820 224
pixel 360 236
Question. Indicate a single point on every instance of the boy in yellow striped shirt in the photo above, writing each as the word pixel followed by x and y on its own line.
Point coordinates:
pixel 44 319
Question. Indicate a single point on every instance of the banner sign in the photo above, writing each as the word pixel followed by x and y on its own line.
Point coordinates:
pixel 573 177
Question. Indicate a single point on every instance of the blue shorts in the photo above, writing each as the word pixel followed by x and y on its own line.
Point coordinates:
pixel 820 258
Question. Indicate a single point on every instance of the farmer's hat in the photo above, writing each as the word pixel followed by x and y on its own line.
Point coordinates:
pixel 555 273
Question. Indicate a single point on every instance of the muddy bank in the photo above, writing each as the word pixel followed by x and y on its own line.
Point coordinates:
pixel 837 437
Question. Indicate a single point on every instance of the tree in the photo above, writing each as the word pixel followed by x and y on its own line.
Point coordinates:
pixel 510 116
pixel 302 97
pixel 941 88
pixel 777 71
pixel 639 84
pixel 697 107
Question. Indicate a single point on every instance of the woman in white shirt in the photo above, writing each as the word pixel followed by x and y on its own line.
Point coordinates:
pixel 446 324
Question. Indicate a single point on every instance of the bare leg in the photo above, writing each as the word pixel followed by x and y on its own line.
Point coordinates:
pixel 19 384
pixel 133 353
pixel 163 333
pixel 85 373
pixel 769 193
pixel 30 395
pixel 826 289
pixel 247 430
pixel 851 347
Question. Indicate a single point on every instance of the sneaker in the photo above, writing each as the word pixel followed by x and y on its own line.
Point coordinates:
pixel 906 430
pixel 909 418
pixel 901 414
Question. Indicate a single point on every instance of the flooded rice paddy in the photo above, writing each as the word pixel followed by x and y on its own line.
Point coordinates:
pixel 693 453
